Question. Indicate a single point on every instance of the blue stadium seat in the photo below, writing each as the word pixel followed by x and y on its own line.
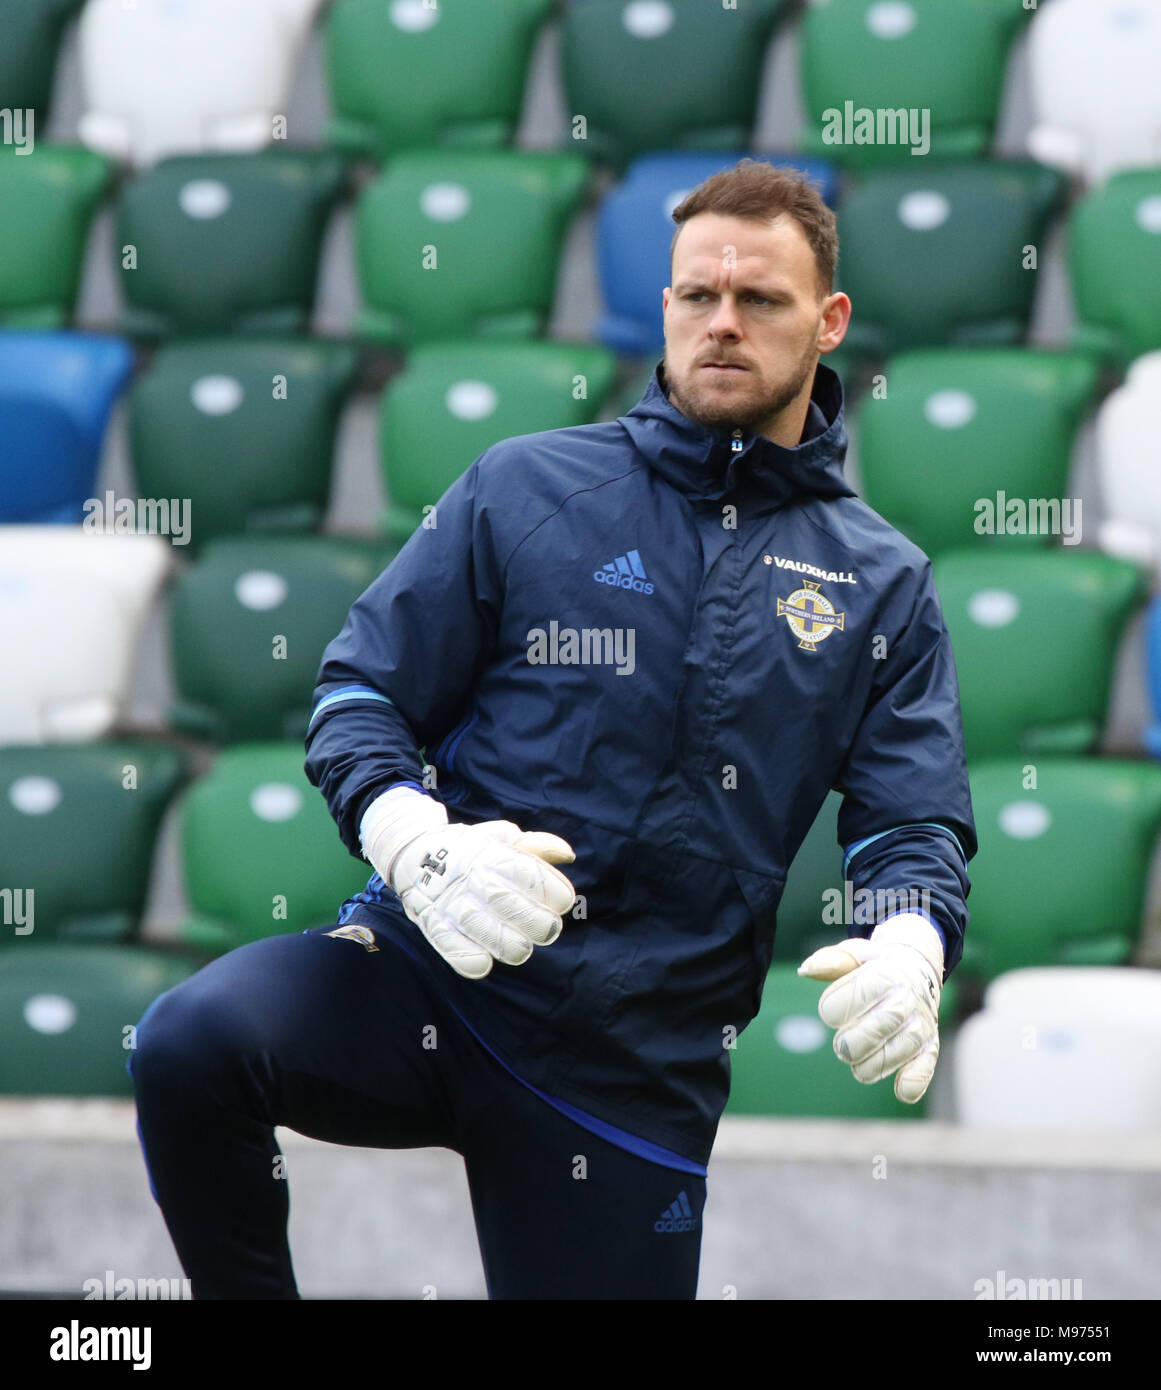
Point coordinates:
pixel 56 392
pixel 635 229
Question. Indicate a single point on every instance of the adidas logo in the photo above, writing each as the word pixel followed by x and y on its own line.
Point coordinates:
pixel 678 1216
pixel 625 572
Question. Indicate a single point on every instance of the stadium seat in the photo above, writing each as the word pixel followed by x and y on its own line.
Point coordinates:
pixel 462 245
pixel 49 196
pixel 784 1063
pixel 961 427
pixel 163 79
pixel 455 400
pixel 631 85
pixel 814 877
pixel 1035 637
pixel 867 65
pixel 1093 70
pixel 1068 1048
pixel 1064 991
pixel 248 626
pixel 225 243
pixel 261 853
pixel 68 1015
pixel 77 831
pixel 72 604
pixel 937 255
pixel 56 393
pixel 243 428
pixel 1063 864
pixel 1115 266
pixel 32 31
pixel 408 75
pixel 635 229
pixel 1128 455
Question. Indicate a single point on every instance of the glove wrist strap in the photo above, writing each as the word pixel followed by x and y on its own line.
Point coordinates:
pixel 911 929
pixel 393 821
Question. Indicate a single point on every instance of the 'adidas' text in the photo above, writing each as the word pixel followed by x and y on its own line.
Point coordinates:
pixel 625 572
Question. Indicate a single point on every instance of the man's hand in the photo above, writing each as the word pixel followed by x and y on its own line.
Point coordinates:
pixel 479 893
pixel 885 1002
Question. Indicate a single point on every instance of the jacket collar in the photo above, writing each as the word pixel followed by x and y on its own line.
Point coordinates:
pixel 701 462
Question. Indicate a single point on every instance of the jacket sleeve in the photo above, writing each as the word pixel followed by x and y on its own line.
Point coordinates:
pixel 400 673
pixel 906 824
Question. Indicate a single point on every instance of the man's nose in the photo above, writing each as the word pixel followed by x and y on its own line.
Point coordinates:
pixel 725 322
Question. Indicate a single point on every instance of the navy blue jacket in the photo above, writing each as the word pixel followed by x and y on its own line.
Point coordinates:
pixel 664 643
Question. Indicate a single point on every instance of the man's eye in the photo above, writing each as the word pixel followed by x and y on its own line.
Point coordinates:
pixel 758 299
pixel 695 294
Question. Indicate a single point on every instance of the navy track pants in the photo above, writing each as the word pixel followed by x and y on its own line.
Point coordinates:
pixel 320 1035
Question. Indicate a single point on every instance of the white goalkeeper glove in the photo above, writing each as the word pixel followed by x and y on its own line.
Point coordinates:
pixel 885 1002
pixel 479 893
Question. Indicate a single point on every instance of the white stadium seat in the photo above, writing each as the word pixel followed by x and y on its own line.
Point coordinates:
pixel 1065 1047
pixel 72 605
pixel 1096 96
pixel 166 77
pixel 1129 464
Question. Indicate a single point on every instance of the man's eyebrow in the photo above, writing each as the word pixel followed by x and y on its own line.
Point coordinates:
pixel 769 291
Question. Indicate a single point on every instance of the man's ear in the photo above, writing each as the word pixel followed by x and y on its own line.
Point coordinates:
pixel 836 318
pixel 665 294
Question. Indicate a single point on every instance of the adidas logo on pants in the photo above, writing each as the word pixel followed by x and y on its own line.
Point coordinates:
pixel 678 1216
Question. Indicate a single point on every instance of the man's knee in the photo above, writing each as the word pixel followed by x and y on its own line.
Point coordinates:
pixel 187 1035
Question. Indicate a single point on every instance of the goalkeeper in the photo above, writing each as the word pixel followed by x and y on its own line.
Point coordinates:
pixel 578 729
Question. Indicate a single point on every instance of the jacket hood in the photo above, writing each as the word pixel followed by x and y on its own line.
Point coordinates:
pixel 701 461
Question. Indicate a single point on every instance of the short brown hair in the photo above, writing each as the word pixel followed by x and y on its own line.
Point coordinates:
pixel 759 192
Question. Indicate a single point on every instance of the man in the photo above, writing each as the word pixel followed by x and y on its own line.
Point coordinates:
pixel 643 650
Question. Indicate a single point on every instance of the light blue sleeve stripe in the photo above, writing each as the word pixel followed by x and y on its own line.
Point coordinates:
pixel 860 845
pixel 349 692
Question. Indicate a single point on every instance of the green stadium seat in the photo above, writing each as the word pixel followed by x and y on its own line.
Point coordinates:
pixel 459 245
pixel 936 255
pixel 261 853
pixel 454 400
pixel 248 626
pixel 77 831
pixel 225 243
pixel 784 1063
pixel 632 383
pixel 48 199
pixel 815 872
pixel 961 426
pixel 68 1015
pixel 244 428
pixel 887 56
pixel 412 75
pixel 1063 866
pixel 628 72
pixel 1115 266
pixel 1035 636
pixel 32 31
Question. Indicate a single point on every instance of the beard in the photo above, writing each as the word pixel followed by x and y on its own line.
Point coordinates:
pixel 717 411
